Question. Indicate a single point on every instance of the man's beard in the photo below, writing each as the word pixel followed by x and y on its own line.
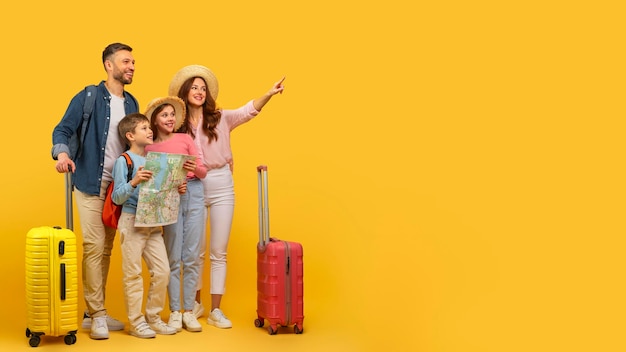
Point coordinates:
pixel 120 77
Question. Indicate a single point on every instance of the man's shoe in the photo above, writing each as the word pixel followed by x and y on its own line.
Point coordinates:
pixel 161 328
pixel 218 319
pixel 176 321
pixel 112 323
pixel 190 323
pixel 99 329
pixel 198 309
pixel 142 331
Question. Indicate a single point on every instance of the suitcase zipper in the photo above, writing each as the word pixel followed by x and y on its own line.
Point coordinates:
pixel 288 283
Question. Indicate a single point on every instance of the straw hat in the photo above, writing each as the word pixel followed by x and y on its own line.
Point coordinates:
pixel 194 71
pixel 176 102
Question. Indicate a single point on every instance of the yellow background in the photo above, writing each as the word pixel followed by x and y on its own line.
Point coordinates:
pixel 454 169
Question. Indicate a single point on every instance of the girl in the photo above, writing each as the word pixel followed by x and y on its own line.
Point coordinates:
pixel 183 238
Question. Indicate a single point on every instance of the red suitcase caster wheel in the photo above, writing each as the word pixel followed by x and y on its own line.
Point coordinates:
pixel 259 323
pixel 271 330
pixel 297 329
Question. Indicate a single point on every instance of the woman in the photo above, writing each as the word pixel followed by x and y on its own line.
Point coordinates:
pixel 210 127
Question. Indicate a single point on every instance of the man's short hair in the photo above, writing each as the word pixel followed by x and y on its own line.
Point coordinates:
pixel 112 49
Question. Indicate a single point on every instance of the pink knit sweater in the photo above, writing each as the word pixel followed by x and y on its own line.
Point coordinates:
pixel 218 153
pixel 181 143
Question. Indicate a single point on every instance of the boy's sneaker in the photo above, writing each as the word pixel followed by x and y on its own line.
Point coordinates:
pixel 190 323
pixel 99 329
pixel 176 321
pixel 112 323
pixel 198 309
pixel 218 319
pixel 142 331
pixel 161 328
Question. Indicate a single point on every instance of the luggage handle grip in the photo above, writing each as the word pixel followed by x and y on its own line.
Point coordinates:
pixel 69 218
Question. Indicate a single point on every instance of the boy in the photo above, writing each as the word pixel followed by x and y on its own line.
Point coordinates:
pixel 138 242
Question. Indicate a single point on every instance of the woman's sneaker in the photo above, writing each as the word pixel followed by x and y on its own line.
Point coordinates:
pixel 142 331
pixel 198 309
pixel 218 319
pixel 176 321
pixel 190 323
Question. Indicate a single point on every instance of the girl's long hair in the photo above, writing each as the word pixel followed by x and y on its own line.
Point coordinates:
pixel 210 116
pixel 153 119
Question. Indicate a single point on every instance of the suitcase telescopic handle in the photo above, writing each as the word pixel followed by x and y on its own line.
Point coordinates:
pixel 69 218
pixel 264 221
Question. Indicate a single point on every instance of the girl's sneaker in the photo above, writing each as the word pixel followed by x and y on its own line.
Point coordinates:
pixel 176 321
pixel 190 323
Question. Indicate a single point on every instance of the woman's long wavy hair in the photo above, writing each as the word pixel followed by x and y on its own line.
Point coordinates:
pixel 210 116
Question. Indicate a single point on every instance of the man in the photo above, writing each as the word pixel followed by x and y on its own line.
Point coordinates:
pixel 91 169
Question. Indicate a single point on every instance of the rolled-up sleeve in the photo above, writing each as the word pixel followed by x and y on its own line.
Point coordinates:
pixel 67 126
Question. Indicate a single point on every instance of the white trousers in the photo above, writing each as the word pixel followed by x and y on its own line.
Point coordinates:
pixel 219 198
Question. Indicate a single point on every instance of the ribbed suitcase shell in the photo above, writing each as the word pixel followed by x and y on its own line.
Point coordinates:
pixel 51 284
pixel 280 273
pixel 280 285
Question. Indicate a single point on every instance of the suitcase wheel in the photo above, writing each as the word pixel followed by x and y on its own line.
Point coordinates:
pixel 70 339
pixel 272 330
pixel 34 341
pixel 34 338
pixel 298 329
pixel 259 322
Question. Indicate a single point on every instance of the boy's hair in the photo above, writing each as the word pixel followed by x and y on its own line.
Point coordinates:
pixel 129 123
pixel 112 49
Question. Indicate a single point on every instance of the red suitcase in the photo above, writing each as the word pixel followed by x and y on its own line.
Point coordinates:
pixel 280 289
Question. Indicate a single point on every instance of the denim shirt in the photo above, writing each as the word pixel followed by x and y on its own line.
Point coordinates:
pixel 90 164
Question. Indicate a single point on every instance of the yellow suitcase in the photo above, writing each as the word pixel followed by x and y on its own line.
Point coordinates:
pixel 52 282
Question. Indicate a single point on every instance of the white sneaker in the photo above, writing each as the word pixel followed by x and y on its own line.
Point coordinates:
pixel 112 323
pixel 190 323
pixel 176 321
pixel 99 329
pixel 218 319
pixel 142 331
pixel 198 309
pixel 161 328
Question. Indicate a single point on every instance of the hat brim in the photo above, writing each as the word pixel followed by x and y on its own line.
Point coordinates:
pixel 194 71
pixel 176 102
